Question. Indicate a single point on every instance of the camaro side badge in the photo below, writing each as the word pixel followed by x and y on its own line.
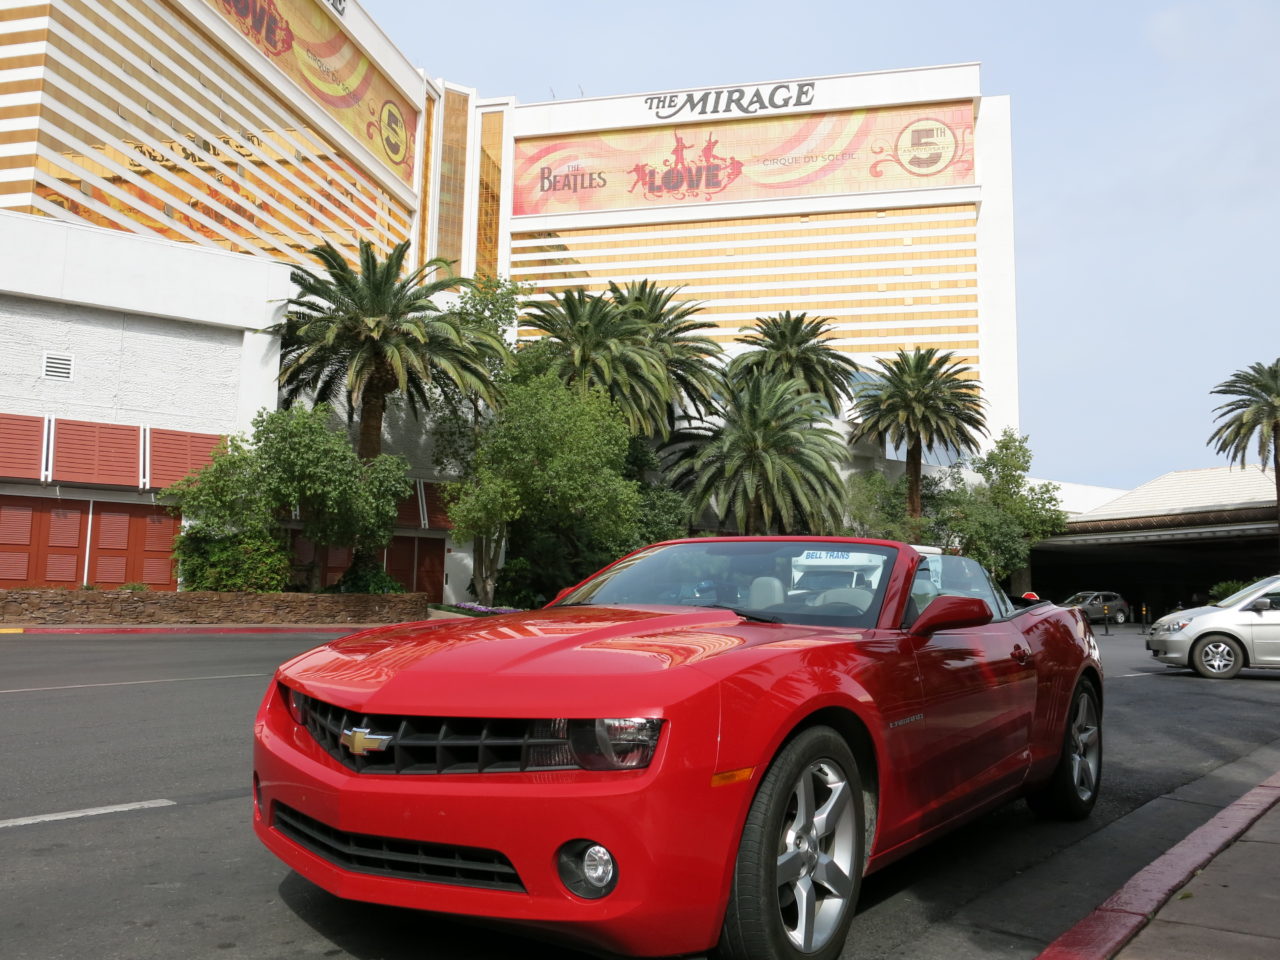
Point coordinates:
pixel 360 741
pixel 905 720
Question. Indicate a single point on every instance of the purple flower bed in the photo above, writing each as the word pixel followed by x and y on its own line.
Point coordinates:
pixel 484 611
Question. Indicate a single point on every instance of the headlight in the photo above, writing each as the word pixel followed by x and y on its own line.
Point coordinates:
pixel 297 704
pixel 614 744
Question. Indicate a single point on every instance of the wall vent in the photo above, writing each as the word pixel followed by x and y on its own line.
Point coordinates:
pixel 57 366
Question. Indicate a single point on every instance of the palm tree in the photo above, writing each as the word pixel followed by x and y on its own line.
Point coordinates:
pixel 372 333
pixel 795 346
pixel 771 463
pixel 593 343
pixel 687 354
pixel 1252 416
pixel 920 400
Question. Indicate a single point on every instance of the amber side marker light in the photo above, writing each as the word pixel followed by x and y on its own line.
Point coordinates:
pixel 731 776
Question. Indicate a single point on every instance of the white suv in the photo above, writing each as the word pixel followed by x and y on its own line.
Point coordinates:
pixel 1218 640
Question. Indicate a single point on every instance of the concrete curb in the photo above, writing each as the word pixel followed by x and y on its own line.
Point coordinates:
pixel 1120 917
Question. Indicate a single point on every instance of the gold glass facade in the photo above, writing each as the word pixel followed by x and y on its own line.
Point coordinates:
pixel 425 194
pixel 142 123
pixel 451 205
pixel 489 206
pixel 888 279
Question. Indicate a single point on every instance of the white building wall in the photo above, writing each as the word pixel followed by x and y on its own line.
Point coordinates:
pixel 997 306
pixel 162 334
pixel 127 369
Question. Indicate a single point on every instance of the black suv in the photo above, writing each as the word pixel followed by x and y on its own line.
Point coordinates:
pixel 1092 603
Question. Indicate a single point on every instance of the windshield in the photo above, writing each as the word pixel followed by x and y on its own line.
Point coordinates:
pixel 1078 598
pixel 790 581
pixel 1239 595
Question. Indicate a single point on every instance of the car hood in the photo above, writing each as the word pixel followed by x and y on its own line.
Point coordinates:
pixel 1190 614
pixel 517 663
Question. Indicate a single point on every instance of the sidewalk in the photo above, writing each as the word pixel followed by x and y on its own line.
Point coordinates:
pixel 1215 894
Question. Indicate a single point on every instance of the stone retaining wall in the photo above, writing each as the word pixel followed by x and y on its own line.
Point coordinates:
pixel 140 607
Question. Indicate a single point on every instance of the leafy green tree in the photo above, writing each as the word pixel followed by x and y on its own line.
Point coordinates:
pixel 590 342
pixel 921 400
pixel 792 345
pixel 770 463
pixel 547 480
pixel 1000 519
pixel 490 306
pixel 686 352
pixel 376 332
pixel 1251 418
pixel 294 464
pixel 876 507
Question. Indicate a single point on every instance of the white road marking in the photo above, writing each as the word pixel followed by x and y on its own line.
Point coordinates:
pixel 1149 673
pixel 87 812
pixel 127 683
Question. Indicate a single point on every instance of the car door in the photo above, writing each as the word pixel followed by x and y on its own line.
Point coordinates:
pixel 979 690
pixel 1264 626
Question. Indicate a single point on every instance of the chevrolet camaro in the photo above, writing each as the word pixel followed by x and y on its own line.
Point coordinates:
pixel 704 746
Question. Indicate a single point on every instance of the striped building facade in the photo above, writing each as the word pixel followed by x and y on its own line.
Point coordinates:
pixel 164 164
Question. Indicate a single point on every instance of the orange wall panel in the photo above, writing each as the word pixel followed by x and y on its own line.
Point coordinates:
pixel 437 516
pixel 99 453
pixel 176 453
pixel 21 446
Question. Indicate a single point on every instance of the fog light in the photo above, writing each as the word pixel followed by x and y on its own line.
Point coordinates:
pixel 587 869
pixel 597 866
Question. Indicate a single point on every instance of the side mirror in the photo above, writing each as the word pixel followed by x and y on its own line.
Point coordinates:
pixel 951 613
pixel 1262 603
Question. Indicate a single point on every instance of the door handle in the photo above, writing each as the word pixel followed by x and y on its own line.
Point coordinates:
pixel 1021 654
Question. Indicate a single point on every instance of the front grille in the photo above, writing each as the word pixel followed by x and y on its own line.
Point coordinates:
pixel 427 745
pixel 406 859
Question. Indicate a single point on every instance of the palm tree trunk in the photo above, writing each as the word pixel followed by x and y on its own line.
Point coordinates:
pixel 368 447
pixel 372 409
pixel 914 455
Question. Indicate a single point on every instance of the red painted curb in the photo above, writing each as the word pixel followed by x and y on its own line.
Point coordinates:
pixel 1120 917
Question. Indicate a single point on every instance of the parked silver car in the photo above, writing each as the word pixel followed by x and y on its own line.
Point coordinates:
pixel 1218 640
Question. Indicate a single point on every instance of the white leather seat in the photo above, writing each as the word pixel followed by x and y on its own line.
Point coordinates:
pixel 859 597
pixel 765 592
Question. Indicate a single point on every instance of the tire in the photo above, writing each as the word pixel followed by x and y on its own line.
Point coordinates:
pixel 1072 790
pixel 799 867
pixel 1217 657
pixel 1121 617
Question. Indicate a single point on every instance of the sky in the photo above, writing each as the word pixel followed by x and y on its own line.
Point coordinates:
pixel 1146 157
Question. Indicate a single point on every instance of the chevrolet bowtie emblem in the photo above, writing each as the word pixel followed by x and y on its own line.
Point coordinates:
pixel 360 741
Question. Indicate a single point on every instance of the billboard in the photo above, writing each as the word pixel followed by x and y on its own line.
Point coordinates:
pixel 300 38
pixel 815 154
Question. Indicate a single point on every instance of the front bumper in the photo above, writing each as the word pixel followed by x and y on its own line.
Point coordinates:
pixel 673 835
pixel 1171 648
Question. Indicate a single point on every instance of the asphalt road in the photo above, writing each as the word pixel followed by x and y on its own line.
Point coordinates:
pixel 106 720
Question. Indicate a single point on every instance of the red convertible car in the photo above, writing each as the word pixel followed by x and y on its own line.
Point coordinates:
pixel 704 746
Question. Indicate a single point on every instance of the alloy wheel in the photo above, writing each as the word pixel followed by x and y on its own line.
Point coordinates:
pixel 1086 747
pixel 815 856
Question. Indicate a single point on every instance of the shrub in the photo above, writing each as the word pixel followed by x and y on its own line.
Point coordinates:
pixel 136 587
pixel 365 575
pixel 246 562
pixel 1220 591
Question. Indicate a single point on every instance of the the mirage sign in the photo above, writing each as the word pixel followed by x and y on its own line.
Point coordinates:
pixel 730 100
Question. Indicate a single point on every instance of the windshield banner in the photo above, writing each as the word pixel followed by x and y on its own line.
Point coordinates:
pixel 849 151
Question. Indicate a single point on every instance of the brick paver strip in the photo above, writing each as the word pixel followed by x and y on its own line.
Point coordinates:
pixel 1118 919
